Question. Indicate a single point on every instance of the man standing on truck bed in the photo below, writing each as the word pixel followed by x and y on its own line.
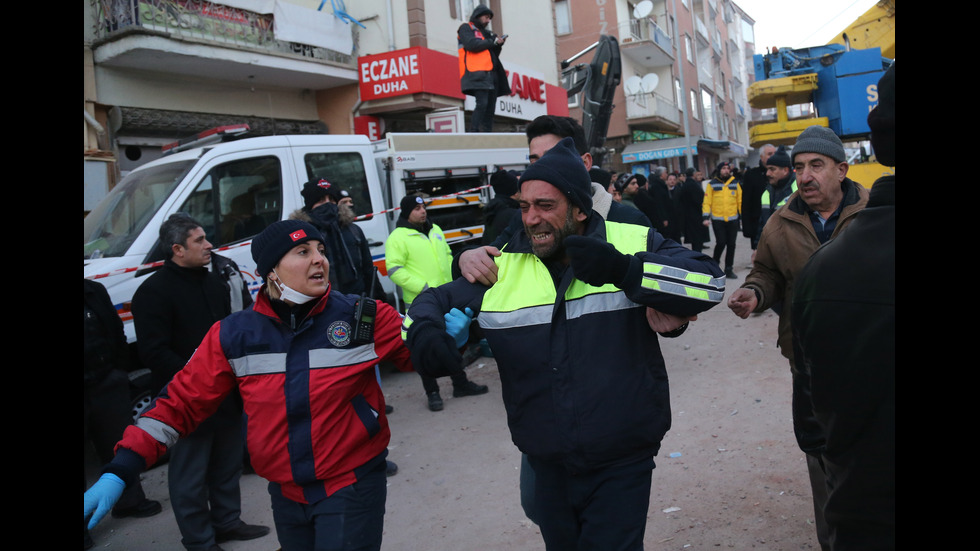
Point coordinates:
pixel 481 74
pixel 417 258
pixel 173 311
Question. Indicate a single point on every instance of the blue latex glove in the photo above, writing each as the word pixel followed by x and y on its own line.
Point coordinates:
pixel 102 496
pixel 458 325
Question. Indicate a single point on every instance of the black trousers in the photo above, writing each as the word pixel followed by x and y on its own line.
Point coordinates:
pixel 602 509
pixel 725 235
pixel 486 105
pixel 106 414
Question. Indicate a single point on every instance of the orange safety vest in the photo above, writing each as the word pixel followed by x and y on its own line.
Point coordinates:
pixel 474 61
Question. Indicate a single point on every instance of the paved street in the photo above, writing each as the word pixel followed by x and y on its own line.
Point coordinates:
pixel 729 474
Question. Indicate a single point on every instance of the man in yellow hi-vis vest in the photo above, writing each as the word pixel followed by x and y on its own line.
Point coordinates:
pixel 481 74
pixel 417 258
pixel 582 376
pixel 720 209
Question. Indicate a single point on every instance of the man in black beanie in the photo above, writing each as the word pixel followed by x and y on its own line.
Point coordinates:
pixel 754 182
pixel 583 378
pixel 418 258
pixel 844 336
pixel 782 184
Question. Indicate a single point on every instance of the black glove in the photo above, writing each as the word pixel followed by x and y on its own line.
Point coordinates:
pixel 434 352
pixel 596 262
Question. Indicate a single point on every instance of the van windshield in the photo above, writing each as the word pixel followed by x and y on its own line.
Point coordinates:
pixel 119 218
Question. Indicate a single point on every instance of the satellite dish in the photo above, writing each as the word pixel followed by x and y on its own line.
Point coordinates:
pixel 633 85
pixel 649 82
pixel 642 9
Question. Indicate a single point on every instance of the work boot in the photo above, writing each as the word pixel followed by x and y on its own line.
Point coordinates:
pixel 435 401
pixel 469 388
pixel 242 532
pixel 143 509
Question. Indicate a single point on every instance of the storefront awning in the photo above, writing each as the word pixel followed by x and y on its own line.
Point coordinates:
pixel 677 147
pixel 659 149
pixel 727 148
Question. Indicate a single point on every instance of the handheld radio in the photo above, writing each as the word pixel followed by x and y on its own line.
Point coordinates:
pixel 364 312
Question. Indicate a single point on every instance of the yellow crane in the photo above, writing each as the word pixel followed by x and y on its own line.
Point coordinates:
pixel 839 79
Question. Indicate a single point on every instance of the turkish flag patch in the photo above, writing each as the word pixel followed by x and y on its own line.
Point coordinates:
pixel 297 235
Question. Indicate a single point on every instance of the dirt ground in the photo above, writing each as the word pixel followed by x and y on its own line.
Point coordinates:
pixel 729 474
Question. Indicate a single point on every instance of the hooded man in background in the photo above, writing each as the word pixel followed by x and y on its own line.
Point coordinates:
pixel 481 74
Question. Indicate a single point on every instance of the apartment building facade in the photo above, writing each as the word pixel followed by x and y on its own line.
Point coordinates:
pixel 686 69
pixel 157 71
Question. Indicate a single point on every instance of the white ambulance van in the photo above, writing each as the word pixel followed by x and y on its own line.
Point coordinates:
pixel 237 188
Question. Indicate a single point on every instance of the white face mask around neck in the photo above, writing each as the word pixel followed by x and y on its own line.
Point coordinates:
pixel 288 293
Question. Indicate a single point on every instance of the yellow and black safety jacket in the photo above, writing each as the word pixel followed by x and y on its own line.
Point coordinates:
pixel 722 200
pixel 773 198
pixel 416 261
pixel 583 379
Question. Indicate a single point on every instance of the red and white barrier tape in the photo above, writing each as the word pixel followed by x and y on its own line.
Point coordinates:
pixel 249 242
pixel 386 211
pixel 121 271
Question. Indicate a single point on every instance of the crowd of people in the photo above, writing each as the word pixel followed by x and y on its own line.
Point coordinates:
pixel 582 268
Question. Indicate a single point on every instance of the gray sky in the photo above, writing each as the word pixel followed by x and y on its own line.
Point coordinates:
pixel 800 23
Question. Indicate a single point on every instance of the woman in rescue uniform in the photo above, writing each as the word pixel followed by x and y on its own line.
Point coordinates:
pixel 317 429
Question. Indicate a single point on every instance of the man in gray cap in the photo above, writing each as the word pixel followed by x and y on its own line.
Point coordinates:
pixel 583 378
pixel 825 202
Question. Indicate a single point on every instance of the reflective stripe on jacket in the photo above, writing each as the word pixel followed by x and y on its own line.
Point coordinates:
pixel 582 375
pixel 314 409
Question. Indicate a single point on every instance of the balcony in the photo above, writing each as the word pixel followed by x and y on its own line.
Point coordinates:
pixel 701 30
pixel 652 112
pixel 216 42
pixel 646 44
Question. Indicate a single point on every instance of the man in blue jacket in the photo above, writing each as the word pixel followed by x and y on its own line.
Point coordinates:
pixel 583 379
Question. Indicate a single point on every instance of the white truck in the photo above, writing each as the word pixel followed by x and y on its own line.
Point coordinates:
pixel 237 188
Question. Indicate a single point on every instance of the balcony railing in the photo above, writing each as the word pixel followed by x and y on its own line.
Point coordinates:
pixel 639 106
pixel 200 20
pixel 644 29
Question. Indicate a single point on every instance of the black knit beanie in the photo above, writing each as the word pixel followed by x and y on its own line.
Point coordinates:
pixel 600 176
pixel 562 167
pixel 779 158
pixel 504 182
pixel 278 239
pixel 313 191
pixel 408 204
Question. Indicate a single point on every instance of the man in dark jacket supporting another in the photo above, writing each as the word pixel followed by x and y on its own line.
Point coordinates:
pixel 583 378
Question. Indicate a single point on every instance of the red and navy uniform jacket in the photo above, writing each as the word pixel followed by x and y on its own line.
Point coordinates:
pixel 315 411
